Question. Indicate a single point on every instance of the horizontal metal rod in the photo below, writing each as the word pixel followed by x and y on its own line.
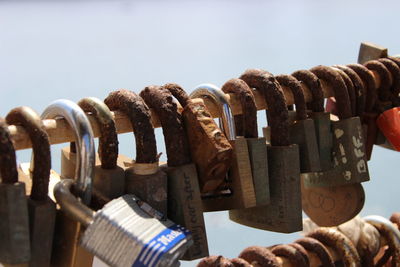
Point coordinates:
pixel 60 132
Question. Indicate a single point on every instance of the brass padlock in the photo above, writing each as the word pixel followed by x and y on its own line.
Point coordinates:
pixel 238 190
pixel 41 209
pixel 246 125
pixel 210 149
pixel 302 129
pixel 144 178
pixel 14 222
pixel 184 201
pixel 66 251
pixel 109 178
pixel 283 214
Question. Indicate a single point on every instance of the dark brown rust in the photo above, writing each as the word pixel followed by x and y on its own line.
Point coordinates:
pixel 295 87
pixel 359 89
pixel 246 123
pixel 384 89
pixel 33 125
pixel 340 243
pixel 178 92
pixel 291 253
pixel 277 114
pixel 8 162
pixel 239 262
pixel 176 142
pixel 369 84
pixel 108 140
pixel 313 245
pixel 350 89
pixel 262 256
pixel 395 72
pixel 300 249
pixel 334 79
pixel 395 218
pixel 313 83
pixel 215 261
pixel 139 115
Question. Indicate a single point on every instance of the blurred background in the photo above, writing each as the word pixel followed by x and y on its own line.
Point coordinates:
pixel 73 49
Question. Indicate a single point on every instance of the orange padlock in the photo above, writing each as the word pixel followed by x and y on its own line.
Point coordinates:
pixel 389 124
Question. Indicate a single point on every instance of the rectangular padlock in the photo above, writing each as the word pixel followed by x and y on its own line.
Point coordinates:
pixel 323 133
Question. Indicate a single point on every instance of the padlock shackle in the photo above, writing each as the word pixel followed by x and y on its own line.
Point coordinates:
pixel 8 161
pixel 278 116
pixel 383 92
pixel 350 89
pixel 108 140
pixel 359 89
pixel 341 95
pixel 177 91
pixel 319 249
pixel 176 141
pixel 295 87
pixel 226 121
pixel 140 117
pixel 395 72
pixel 314 84
pixel 245 123
pixel 41 158
pixel 369 85
pixel 74 208
pixel 84 141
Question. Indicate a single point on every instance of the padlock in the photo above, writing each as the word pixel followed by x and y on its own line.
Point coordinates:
pixel 109 178
pixel 369 51
pixel 14 222
pixel 302 129
pixel 350 90
pixel 238 191
pixel 283 214
pixel 184 200
pixel 126 231
pixel 66 250
pixel 350 164
pixel 41 209
pixel 389 124
pixel 321 118
pixel 209 148
pixel 246 125
pixel 144 179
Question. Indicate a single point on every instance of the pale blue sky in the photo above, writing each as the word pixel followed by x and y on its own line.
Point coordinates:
pixel 51 50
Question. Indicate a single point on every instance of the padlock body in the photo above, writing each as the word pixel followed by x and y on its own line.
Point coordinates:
pixel 42 215
pixel 185 207
pixel 239 182
pixel 14 224
pixel 322 125
pixel 259 168
pixel 150 188
pixel 284 213
pixel 210 150
pixel 303 134
pixel 349 153
pixel 389 124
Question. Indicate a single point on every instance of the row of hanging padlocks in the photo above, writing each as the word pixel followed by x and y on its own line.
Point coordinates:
pixel 305 160
pixel 369 241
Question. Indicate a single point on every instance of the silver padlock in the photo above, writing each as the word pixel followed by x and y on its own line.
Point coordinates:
pixel 125 231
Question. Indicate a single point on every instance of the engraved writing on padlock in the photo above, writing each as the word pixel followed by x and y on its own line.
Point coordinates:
pixel 142 239
pixel 184 202
pixel 14 222
pixel 239 190
pixel 66 250
pixel 143 178
pixel 42 210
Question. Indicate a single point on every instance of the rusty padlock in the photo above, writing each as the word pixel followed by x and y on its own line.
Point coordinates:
pixel 14 222
pixel 41 209
pixel 66 250
pixel 209 148
pixel 348 146
pixel 302 129
pixel 238 190
pixel 283 214
pixel 144 179
pixel 246 126
pixel 184 200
